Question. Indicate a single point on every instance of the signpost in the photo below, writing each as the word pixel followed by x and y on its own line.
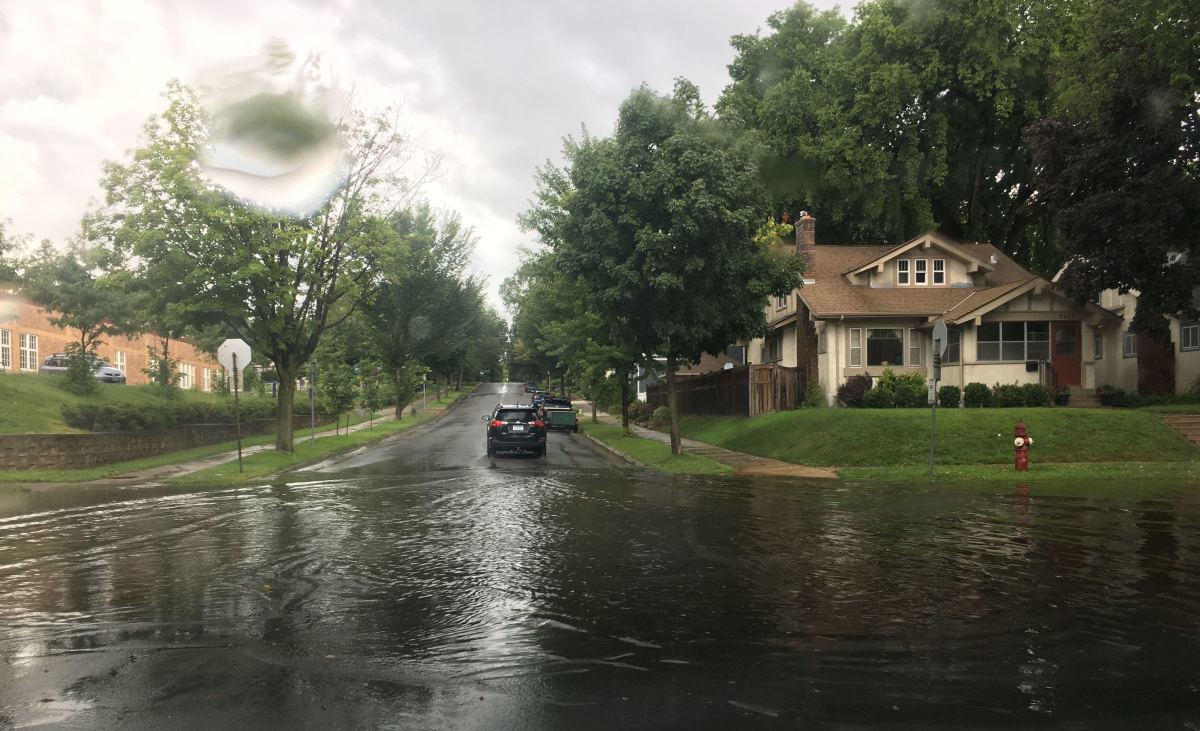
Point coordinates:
pixel 234 355
pixel 940 342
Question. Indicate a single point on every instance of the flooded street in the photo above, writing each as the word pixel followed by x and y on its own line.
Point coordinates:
pixel 416 585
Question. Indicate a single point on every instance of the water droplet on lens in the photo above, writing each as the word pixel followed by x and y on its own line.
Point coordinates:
pixel 272 139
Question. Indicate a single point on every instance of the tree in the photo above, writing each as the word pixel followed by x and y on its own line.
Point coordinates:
pixel 657 225
pixel 908 118
pixel 339 389
pixel 1118 163
pixel 10 246
pixel 72 284
pixel 275 281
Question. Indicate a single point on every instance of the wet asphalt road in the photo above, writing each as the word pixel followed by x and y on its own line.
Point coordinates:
pixel 417 585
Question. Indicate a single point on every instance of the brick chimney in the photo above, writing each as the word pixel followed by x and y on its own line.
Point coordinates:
pixel 806 242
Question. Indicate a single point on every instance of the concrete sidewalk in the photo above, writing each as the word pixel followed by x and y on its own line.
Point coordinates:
pixel 742 463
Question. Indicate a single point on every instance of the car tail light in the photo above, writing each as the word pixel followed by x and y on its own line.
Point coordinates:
pixel 497 422
pixel 539 423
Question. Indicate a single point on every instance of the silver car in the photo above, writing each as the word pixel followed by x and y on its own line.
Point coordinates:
pixel 101 370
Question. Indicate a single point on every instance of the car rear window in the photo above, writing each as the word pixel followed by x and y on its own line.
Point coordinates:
pixel 515 415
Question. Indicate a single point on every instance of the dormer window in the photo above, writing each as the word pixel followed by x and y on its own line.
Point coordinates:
pixel 902 271
pixel 922 271
pixel 939 271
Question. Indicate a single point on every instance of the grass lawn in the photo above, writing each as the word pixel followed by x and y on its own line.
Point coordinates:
pixel 263 464
pixel 899 437
pixel 1124 473
pixel 33 403
pixel 655 455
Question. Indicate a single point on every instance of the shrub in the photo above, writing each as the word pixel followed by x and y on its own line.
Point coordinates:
pixel 851 392
pixel 815 397
pixel 639 411
pixel 1035 394
pixel 660 418
pixel 880 397
pixel 949 396
pixel 1008 395
pixel 911 395
pixel 977 395
pixel 162 415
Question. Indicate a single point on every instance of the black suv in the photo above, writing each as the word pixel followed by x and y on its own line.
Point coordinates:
pixel 515 429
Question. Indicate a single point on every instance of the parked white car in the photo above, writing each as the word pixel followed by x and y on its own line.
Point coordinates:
pixel 101 370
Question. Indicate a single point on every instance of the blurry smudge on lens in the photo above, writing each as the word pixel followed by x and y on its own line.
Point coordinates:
pixel 273 139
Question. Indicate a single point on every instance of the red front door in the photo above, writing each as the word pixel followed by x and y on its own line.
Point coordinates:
pixel 1065 358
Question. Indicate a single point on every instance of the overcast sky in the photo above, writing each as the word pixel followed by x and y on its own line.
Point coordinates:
pixel 492 86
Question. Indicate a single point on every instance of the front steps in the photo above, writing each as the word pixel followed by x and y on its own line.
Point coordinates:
pixel 1083 398
pixel 1186 424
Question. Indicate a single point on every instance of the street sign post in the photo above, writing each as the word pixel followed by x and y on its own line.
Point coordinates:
pixel 234 355
pixel 941 340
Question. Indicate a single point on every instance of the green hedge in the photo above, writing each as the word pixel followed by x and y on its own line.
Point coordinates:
pixel 165 415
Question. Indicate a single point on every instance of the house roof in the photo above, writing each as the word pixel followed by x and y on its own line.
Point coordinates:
pixel 831 293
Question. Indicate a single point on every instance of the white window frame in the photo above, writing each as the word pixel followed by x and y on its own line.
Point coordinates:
pixel 939 271
pixel 119 361
pixel 187 376
pixel 902 344
pixel 29 352
pixel 206 384
pixel 856 347
pixel 953 346
pixel 902 272
pixel 920 271
pixel 1098 346
pixel 781 302
pixel 5 350
pixel 914 348
pixel 1128 344
pixel 1002 330
pixel 1189 336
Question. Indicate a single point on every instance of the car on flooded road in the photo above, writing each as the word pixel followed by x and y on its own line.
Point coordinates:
pixel 515 429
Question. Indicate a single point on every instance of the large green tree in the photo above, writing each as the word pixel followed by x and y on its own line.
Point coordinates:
pixel 274 280
pixel 906 118
pixel 657 223
pixel 1119 162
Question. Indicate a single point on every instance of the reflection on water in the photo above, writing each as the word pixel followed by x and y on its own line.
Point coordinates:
pixel 489 599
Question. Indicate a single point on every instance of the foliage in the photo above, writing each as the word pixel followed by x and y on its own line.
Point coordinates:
pixel 880 397
pixel 81 365
pixel 906 390
pixel 275 281
pixel 977 395
pixel 906 118
pixel 657 225
pixel 851 392
pixel 162 370
pixel 11 246
pixel 339 388
pixel 1117 161
pixel 814 398
pixel 949 396
pixel 94 416
pixel 660 417
pixel 1007 395
pixel 1035 394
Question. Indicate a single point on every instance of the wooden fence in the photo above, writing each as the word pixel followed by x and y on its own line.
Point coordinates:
pixel 738 391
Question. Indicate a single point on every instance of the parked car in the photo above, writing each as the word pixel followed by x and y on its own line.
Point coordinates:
pixel 558 413
pixel 515 429
pixel 539 397
pixel 530 387
pixel 101 370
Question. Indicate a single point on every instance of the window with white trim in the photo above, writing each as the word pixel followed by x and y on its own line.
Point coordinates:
pixel 921 273
pixel 781 302
pixel 1013 341
pixel 855 347
pixel 5 349
pixel 119 360
pixel 939 271
pixel 28 355
pixel 1189 335
pixel 1128 345
pixel 206 384
pixel 902 271
pixel 773 350
pixel 885 346
pixel 914 347
pixel 1097 346
pixel 187 375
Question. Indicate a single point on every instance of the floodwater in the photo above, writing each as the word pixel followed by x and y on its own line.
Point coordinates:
pixel 579 593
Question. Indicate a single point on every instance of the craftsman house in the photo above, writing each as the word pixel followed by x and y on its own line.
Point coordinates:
pixel 862 309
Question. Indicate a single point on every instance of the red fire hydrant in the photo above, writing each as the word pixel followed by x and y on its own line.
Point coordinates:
pixel 1022 440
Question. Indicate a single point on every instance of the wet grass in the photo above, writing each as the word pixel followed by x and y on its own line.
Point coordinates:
pixel 33 402
pixel 652 454
pixel 877 438
pixel 263 464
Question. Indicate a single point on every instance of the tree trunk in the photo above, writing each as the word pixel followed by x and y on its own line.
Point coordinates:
pixel 672 406
pixel 625 402
pixel 397 378
pixel 283 416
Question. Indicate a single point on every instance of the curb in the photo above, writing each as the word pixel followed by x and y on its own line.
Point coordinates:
pixel 617 452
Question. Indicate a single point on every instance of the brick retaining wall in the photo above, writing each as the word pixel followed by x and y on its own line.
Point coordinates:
pixel 76 451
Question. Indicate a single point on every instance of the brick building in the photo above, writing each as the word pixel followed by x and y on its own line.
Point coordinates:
pixel 27 337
